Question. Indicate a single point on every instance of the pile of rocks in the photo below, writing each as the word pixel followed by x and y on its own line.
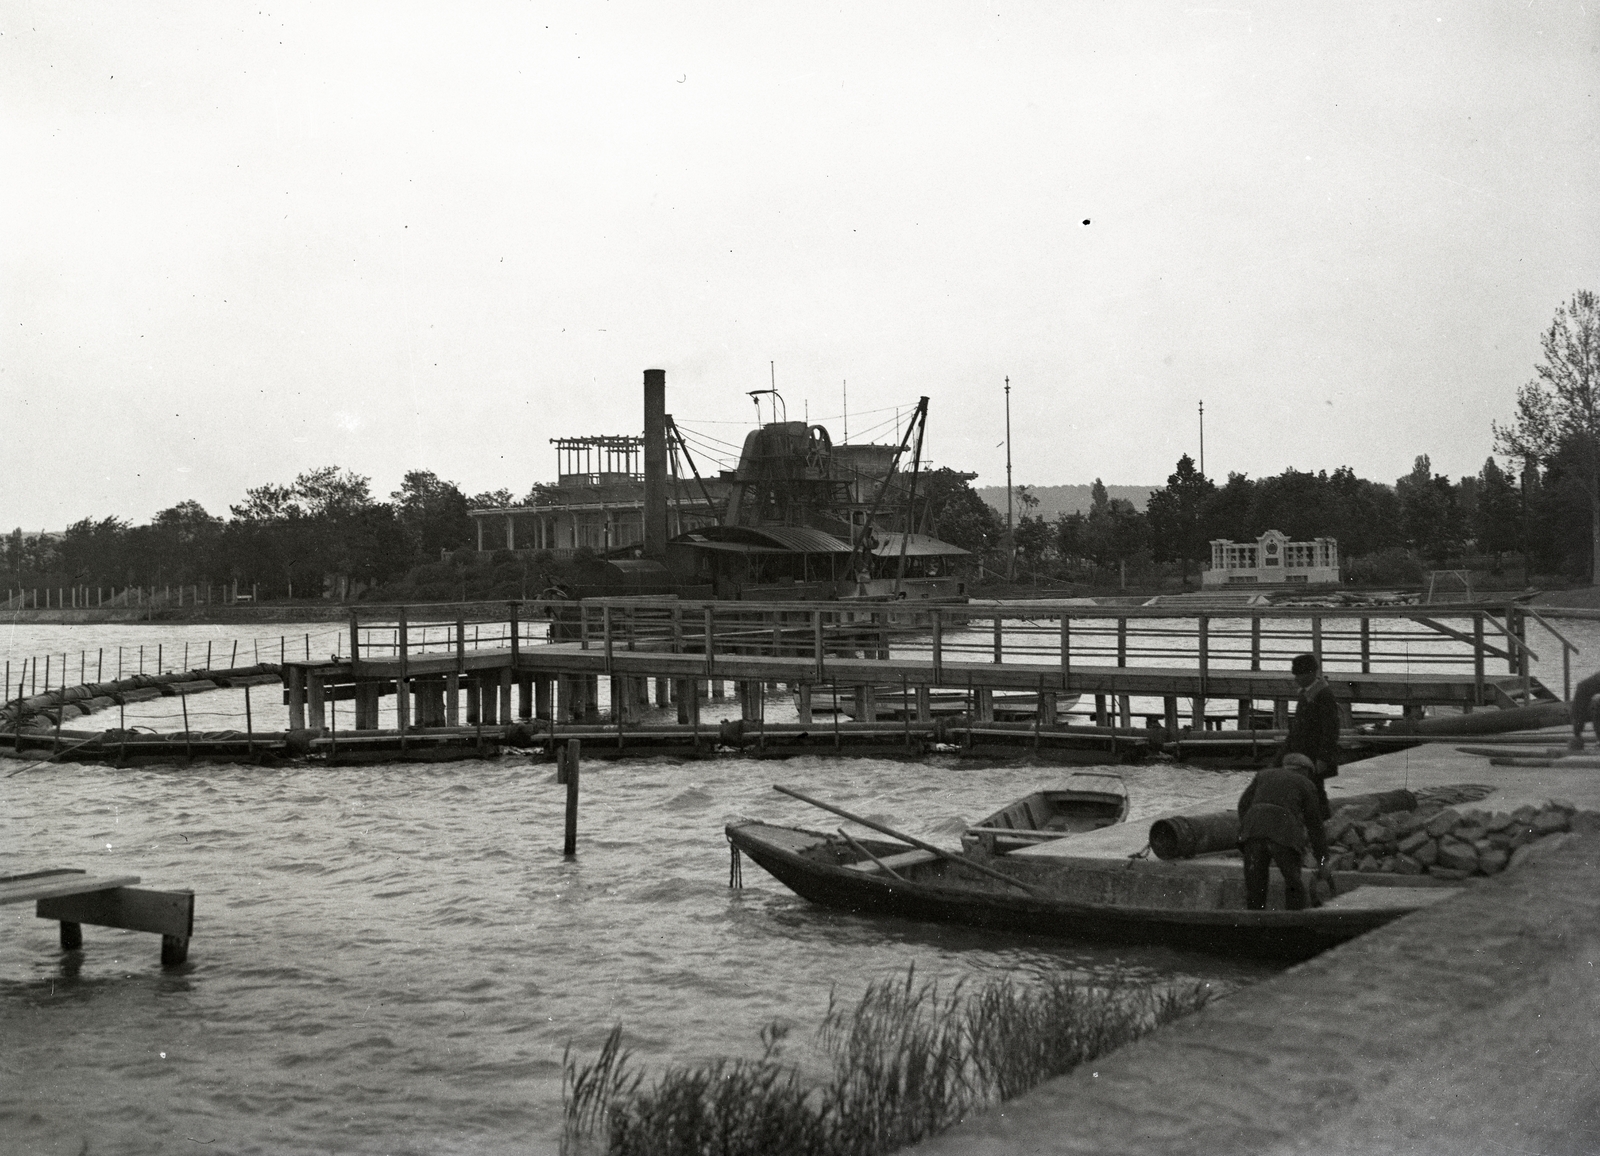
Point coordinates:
pixel 1440 840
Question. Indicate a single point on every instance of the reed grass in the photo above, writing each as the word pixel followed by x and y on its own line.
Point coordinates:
pixel 907 1061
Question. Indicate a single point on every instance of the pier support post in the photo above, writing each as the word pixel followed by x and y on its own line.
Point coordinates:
pixel 1280 714
pixel 434 690
pixel 1169 706
pixel 297 698
pixel 749 700
pixel 663 692
pixel 367 693
pixel 1247 714
pixel 314 696
pixel 486 700
pixel 694 693
pixel 1125 710
pixel 985 703
pixel 866 704
pixel 1047 708
pixel 802 703
pixel 1101 718
pixel 563 704
pixel 524 696
pixel 591 698
pixel 718 688
pixel 1199 716
pixel 924 704
pixel 541 697
pixel 505 696
pixel 452 700
pixel 470 686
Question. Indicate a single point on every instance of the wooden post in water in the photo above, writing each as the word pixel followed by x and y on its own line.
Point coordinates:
pixel 297 698
pixel 249 725
pixel 569 844
pixel 505 696
pixel 402 687
pixel 1169 705
pixel 802 703
pixel 314 704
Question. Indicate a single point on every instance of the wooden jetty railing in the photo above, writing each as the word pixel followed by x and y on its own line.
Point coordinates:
pixel 1466 656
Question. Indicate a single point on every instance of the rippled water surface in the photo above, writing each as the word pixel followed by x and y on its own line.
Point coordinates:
pixel 392 959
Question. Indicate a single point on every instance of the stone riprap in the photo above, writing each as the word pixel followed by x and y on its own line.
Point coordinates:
pixel 1442 841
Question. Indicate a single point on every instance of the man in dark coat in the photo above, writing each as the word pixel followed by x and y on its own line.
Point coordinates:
pixel 1583 704
pixel 1314 731
pixel 1279 815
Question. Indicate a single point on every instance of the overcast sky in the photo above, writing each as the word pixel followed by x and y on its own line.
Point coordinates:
pixel 240 242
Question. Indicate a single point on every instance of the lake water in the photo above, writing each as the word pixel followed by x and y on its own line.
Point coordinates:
pixel 392 959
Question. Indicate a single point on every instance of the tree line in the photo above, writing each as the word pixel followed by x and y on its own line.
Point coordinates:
pixel 1539 511
pixel 284 540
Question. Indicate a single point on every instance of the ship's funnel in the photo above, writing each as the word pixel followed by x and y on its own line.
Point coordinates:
pixel 655 463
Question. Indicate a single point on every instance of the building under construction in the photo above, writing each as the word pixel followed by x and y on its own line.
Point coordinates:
pixel 799 517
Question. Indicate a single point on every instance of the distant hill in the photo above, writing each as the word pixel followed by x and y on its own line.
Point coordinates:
pixel 1057 500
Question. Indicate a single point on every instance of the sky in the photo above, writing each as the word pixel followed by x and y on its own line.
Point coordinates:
pixel 239 242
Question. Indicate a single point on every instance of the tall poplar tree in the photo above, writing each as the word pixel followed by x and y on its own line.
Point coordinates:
pixel 1559 410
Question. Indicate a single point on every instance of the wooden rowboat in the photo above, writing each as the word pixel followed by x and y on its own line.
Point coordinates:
pixel 1086 802
pixel 1190 905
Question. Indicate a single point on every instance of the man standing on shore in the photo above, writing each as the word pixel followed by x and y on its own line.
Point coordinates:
pixel 1583 696
pixel 1314 731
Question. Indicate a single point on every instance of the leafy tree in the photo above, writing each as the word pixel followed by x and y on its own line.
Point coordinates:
pixel 1429 512
pixel 1497 520
pixel 93 552
pixel 956 514
pixel 492 500
pixel 1558 412
pixel 1176 531
pixel 432 513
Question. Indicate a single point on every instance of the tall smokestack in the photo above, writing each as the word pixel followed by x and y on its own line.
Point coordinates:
pixel 655 463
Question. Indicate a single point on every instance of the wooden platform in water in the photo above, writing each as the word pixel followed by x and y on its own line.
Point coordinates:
pixel 73 898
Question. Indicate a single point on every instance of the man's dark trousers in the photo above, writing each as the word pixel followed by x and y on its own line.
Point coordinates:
pixel 1259 855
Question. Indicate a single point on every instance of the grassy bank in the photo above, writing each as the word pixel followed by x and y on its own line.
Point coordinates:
pixel 907 1061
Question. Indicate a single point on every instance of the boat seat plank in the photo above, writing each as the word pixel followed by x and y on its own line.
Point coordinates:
pixel 49 884
pixel 895 862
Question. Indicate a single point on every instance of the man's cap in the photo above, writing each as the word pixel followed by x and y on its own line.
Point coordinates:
pixel 1299 762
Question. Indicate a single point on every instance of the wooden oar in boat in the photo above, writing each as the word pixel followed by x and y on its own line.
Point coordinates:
pixel 915 842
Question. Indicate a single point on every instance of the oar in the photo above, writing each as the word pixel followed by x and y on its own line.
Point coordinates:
pixel 893 834
pixel 867 853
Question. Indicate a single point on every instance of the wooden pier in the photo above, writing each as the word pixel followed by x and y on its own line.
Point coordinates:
pixel 545 661
pixel 1108 681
